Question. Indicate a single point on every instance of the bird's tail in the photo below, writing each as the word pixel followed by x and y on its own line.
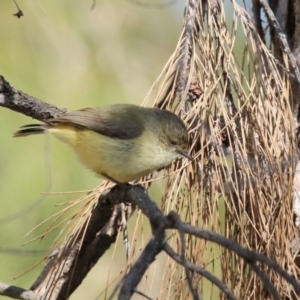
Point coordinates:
pixel 31 129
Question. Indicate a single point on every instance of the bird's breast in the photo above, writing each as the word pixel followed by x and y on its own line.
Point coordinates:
pixel 123 160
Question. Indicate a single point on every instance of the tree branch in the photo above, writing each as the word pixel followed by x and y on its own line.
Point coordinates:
pixel 69 264
pixel 193 268
pixel 282 38
pixel 15 292
pixel 28 105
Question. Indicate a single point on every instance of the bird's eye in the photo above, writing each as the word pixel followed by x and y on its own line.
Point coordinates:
pixel 173 143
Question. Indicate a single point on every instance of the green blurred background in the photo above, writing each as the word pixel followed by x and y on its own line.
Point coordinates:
pixel 73 57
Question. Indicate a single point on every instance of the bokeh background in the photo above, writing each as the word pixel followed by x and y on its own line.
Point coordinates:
pixel 71 56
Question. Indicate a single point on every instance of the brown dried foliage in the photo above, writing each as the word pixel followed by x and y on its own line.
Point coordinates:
pixel 234 96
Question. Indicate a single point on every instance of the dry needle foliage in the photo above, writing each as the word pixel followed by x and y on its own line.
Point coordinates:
pixel 234 97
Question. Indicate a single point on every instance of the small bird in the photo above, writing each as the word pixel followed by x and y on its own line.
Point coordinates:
pixel 120 142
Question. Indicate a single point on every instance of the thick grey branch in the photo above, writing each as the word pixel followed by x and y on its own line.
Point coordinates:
pixel 131 280
pixel 30 106
pixel 15 292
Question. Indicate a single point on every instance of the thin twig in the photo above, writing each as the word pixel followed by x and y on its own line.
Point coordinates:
pixel 282 37
pixel 142 294
pixel 248 255
pixel 209 276
pixel 266 280
pixel 19 13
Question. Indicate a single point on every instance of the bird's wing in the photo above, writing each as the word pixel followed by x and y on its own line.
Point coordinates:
pixel 114 121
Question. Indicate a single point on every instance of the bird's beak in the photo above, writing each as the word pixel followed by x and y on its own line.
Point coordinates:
pixel 186 154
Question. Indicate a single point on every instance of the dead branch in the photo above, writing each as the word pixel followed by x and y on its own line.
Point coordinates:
pixel 15 292
pixel 251 257
pixel 25 104
pixel 69 264
pixel 282 38
pixel 135 275
pixel 193 268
